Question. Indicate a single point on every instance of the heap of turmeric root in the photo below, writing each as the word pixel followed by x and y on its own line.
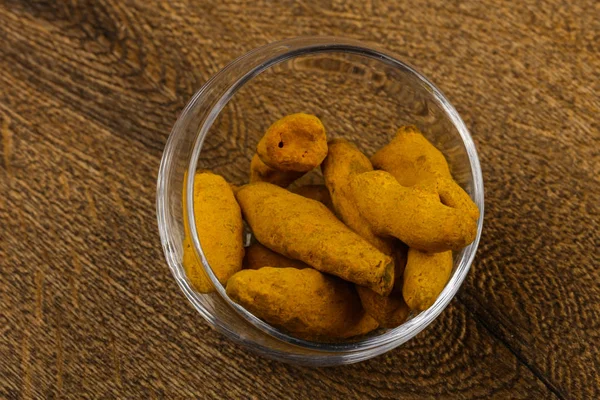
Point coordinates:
pixel 338 260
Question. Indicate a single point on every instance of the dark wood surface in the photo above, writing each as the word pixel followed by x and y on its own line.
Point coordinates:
pixel 88 93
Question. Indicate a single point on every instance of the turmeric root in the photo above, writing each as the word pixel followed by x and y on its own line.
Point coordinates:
pixel 413 160
pixel 220 229
pixel 414 216
pixel 304 302
pixel 296 143
pixel 344 161
pixel 425 277
pixel 291 147
pixel 316 192
pixel 258 256
pixel 305 230
pixel 389 311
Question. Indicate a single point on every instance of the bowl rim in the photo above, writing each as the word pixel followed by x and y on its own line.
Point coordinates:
pixel 282 51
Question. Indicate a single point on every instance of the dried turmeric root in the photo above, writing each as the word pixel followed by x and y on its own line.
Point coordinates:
pixel 304 302
pixel 390 311
pixel 296 142
pixel 413 160
pixel 258 256
pixel 219 224
pixel 305 230
pixel 292 146
pixel 344 161
pixel 414 216
pixel 425 277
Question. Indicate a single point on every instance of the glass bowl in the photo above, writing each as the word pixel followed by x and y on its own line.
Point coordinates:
pixel 361 93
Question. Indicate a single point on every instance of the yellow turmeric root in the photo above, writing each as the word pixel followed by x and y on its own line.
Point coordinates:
pixel 390 311
pixel 296 143
pixel 304 302
pixel 304 229
pixel 316 192
pixel 344 161
pixel 258 256
pixel 414 216
pixel 425 277
pixel 219 224
pixel 291 147
pixel 413 160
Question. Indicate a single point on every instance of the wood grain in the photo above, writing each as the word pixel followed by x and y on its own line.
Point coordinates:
pixel 89 91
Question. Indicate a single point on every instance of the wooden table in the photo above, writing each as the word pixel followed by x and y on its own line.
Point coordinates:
pixel 88 93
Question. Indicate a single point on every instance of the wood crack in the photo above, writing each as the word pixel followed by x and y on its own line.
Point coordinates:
pixel 534 370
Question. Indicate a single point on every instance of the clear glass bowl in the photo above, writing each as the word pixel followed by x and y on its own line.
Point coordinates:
pixel 361 93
